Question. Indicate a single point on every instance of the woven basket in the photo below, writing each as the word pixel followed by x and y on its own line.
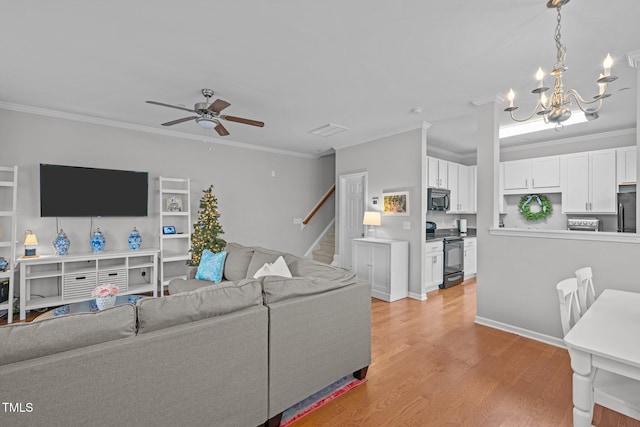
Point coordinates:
pixel 105 302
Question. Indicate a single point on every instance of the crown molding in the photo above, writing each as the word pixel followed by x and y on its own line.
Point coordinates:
pixel 569 140
pixel 487 99
pixel 634 59
pixel 141 128
pixel 441 151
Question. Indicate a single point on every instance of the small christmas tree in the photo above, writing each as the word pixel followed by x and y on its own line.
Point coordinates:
pixel 206 229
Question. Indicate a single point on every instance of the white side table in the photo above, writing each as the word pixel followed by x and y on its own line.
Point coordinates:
pixel 385 264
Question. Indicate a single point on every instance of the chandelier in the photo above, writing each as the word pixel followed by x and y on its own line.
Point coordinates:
pixel 556 108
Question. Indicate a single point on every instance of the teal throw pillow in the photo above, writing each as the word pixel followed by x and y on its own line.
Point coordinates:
pixel 211 266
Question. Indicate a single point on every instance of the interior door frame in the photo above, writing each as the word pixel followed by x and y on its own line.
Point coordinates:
pixel 342 179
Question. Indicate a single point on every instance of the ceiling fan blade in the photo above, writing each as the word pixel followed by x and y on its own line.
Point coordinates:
pixel 170 106
pixel 244 121
pixel 218 105
pixel 175 122
pixel 222 131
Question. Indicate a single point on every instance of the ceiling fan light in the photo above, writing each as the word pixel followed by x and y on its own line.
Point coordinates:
pixel 206 122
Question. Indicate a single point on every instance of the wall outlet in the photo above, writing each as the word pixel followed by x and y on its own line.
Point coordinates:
pixel 297 221
pixel 406 225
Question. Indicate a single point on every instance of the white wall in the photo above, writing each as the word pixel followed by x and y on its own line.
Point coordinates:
pixel 393 163
pixel 255 207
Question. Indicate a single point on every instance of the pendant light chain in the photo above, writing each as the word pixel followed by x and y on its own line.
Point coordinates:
pixel 561 49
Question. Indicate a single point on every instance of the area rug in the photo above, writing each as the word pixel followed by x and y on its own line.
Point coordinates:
pixel 319 399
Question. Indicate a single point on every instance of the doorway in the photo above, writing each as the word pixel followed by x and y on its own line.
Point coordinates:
pixel 351 206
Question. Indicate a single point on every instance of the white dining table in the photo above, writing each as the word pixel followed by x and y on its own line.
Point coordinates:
pixel 607 336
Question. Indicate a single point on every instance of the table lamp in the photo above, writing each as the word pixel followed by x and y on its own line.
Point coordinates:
pixel 371 219
pixel 30 243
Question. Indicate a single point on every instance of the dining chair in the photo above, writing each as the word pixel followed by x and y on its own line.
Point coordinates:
pixel 616 392
pixel 586 292
pixel 570 310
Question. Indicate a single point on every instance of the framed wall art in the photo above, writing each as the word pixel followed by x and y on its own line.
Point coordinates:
pixel 395 203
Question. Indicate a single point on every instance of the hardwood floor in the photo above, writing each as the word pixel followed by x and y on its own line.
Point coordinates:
pixel 432 366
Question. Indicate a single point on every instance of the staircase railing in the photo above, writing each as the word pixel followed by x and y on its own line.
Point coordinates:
pixel 319 205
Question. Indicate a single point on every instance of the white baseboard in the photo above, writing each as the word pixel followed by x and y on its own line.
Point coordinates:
pixel 547 339
pixel 420 297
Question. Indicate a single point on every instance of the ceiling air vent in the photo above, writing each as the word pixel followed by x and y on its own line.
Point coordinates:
pixel 328 130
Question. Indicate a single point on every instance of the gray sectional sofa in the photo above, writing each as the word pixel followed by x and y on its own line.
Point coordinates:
pixel 237 353
pixel 319 322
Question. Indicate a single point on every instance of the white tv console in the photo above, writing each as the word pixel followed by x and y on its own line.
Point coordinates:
pixel 73 277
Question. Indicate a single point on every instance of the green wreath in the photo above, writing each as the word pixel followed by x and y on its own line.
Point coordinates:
pixel 525 207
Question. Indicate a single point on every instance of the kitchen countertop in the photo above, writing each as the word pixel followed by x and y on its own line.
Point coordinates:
pixel 441 233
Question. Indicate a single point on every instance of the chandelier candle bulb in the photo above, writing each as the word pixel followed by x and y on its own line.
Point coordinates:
pixel 511 96
pixel 540 76
pixel 608 62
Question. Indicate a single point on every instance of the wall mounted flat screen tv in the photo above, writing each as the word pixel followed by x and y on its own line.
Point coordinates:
pixel 71 191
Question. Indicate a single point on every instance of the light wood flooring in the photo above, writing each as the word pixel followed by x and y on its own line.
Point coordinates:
pixel 432 366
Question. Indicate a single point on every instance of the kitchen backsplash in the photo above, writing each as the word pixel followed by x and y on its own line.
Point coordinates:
pixel 556 221
pixel 444 220
pixel 512 219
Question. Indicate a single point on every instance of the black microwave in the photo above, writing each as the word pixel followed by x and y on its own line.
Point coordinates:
pixel 438 199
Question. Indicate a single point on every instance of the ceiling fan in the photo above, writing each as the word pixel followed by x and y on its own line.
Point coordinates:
pixel 208 114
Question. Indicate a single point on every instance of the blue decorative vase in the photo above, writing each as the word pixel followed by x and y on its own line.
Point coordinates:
pixel 135 239
pixel 3 264
pixel 97 242
pixel 61 244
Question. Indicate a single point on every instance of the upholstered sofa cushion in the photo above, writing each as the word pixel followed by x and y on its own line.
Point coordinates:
pixel 237 262
pixel 203 303
pixel 261 256
pixel 24 341
pixel 304 267
pixel 276 288
pixel 177 286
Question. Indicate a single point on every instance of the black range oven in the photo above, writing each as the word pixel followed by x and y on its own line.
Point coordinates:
pixel 453 262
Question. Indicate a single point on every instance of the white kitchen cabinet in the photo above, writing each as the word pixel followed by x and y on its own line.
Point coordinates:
pixel 626 167
pixel 437 173
pixel 590 182
pixel 540 175
pixel 473 185
pixel 383 263
pixel 470 257
pixel 459 182
pixel 515 175
pixel 434 264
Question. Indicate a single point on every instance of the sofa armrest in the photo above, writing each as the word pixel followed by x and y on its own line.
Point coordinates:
pixel 191 272
pixel 331 335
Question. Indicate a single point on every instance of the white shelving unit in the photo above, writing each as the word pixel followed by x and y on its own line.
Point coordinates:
pixel 8 238
pixel 71 278
pixel 174 248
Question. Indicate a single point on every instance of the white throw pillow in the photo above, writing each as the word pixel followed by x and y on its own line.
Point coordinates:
pixel 277 268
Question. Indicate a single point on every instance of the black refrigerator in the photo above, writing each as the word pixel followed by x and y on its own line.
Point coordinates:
pixel 627 212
